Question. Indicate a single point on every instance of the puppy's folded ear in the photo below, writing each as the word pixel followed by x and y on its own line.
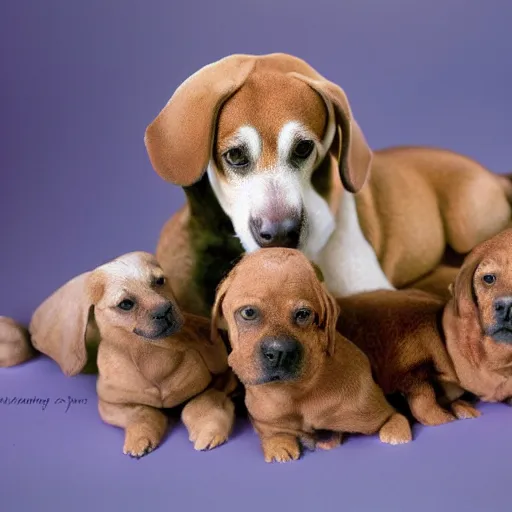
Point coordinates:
pixel 463 290
pixel 218 322
pixel 179 141
pixel 328 318
pixel 352 151
pixel 59 324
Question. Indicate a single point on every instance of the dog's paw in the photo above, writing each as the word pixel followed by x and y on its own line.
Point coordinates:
pixel 396 430
pixel 333 442
pixel 137 446
pixel 463 410
pixel 281 449
pixel 208 437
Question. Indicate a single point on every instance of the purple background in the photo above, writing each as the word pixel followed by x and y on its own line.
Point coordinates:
pixel 79 83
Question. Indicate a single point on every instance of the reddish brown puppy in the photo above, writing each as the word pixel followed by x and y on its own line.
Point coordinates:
pixel 302 378
pixel 431 351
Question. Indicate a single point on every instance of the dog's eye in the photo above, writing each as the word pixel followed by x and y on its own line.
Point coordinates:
pixel 302 316
pixel 160 281
pixel 303 149
pixel 236 157
pixel 126 304
pixel 489 278
pixel 249 314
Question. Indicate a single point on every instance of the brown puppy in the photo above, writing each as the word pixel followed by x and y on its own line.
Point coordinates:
pixel 432 351
pixel 15 345
pixel 151 356
pixel 302 378
pixel 270 154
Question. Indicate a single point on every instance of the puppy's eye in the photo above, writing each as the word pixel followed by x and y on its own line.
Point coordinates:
pixel 160 281
pixel 489 279
pixel 126 304
pixel 303 149
pixel 236 157
pixel 249 313
pixel 302 316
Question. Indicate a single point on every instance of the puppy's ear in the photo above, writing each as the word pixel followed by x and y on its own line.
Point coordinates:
pixel 318 272
pixel 218 321
pixel 462 290
pixel 59 324
pixel 180 139
pixel 352 151
pixel 328 318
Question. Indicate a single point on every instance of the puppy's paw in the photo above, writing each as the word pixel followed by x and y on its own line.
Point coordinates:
pixel 281 448
pixel 396 430
pixel 137 446
pixel 209 436
pixel 333 442
pixel 463 410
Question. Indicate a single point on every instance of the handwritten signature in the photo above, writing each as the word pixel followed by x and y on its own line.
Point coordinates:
pixel 43 403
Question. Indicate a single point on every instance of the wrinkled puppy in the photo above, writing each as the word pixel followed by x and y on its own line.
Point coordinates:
pixel 304 381
pixel 150 356
pixel 432 351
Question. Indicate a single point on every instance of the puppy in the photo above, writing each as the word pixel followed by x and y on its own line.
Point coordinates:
pixel 302 379
pixel 270 154
pixel 15 345
pixel 432 351
pixel 151 356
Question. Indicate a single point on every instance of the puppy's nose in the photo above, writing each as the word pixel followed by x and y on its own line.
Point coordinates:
pixel 503 309
pixel 281 355
pixel 162 312
pixel 276 233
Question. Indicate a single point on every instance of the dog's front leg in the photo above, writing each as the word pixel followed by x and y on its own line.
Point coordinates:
pixel 209 418
pixel 277 445
pixel 144 426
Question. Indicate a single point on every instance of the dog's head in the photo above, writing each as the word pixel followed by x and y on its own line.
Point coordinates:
pixel 127 295
pixel 482 292
pixel 277 140
pixel 280 318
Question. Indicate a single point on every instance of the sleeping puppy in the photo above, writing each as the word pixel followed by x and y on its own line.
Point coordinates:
pixel 304 381
pixel 270 154
pixel 432 351
pixel 151 356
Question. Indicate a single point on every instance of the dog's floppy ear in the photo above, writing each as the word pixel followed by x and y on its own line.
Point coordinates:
pixel 218 321
pixel 180 139
pixel 329 317
pixel 354 156
pixel 462 290
pixel 59 324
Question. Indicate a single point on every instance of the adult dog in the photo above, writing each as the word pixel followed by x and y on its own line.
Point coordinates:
pixel 269 154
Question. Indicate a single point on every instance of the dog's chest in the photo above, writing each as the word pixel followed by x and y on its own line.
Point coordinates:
pixel 173 376
pixel 348 261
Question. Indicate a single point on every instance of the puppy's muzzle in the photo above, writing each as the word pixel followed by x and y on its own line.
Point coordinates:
pixel 165 321
pixel 281 359
pixel 501 331
pixel 283 232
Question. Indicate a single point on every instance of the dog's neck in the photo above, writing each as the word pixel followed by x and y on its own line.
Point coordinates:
pixel 348 261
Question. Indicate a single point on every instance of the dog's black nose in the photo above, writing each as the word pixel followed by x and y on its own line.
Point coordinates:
pixel 280 357
pixel 503 309
pixel 272 233
pixel 163 312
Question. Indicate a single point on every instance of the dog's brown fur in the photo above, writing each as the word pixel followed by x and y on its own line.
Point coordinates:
pixel 15 347
pixel 432 351
pixel 334 391
pixel 414 204
pixel 142 368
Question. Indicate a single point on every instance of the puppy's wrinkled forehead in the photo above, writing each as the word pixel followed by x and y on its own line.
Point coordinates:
pixel 266 103
pixel 279 274
pixel 136 268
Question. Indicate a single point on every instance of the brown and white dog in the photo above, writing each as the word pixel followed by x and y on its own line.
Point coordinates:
pixel 432 351
pixel 269 154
